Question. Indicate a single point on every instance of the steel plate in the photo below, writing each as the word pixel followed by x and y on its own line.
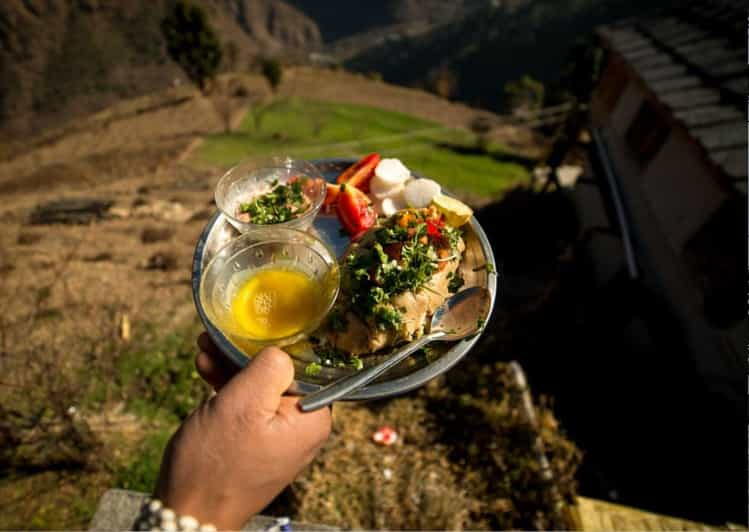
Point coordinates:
pixel 414 372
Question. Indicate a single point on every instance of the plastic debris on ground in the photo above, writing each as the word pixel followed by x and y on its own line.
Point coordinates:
pixel 385 435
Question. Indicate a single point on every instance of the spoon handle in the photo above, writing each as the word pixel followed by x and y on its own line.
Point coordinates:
pixel 342 387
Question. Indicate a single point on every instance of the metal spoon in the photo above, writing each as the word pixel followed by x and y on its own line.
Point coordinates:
pixel 460 316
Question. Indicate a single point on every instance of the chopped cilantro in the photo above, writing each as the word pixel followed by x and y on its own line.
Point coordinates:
pixel 480 323
pixel 312 369
pixel 489 267
pixel 335 358
pixel 281 204
pixel 387 317
pixel 456 282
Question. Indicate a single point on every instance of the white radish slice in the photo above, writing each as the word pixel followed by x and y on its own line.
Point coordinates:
pixel 382 190
pixel 391 172
pixel 389 206
pixel 419 193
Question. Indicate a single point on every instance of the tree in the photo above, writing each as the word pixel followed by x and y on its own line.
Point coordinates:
pixel 192 43
pixel 524 94
pixel 272 70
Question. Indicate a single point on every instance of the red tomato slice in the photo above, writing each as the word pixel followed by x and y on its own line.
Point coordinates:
pixel 361 172
pixel 354 210
pixel 331 194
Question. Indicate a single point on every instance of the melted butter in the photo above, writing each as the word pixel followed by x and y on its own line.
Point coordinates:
pixel 276 302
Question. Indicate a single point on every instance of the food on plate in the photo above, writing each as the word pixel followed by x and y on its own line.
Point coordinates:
pixel 381 190
pixel 331 194
pixel 280 202
pixel 419 193
pixel 276 302
pixel 354 210
pixel 360 173
pixel 352 206
pixel 390 173
pixel 389 206
pixel 456 212
pixel 393 278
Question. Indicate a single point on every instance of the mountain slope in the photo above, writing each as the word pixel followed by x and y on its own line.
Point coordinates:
pixel 60 58
pixel 494 44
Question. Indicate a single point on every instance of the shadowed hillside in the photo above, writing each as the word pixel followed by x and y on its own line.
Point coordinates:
pixel 490 46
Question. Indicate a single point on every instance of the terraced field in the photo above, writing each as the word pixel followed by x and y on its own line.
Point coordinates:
pixel 313 129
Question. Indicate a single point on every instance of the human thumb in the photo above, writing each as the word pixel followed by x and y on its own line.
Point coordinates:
pixel 258 387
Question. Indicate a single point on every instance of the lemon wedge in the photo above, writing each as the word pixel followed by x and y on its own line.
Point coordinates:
pixel 456 212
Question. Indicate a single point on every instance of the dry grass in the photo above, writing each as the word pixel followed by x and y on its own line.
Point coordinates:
pixel 359 484
pixel 462 461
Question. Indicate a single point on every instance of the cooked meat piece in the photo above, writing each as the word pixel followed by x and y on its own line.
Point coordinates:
pixel 360 336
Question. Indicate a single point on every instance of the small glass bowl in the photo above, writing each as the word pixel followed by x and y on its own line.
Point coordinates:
pixel 252 178
pixel 269 245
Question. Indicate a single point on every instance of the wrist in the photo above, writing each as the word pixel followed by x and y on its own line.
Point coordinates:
pixel 155 516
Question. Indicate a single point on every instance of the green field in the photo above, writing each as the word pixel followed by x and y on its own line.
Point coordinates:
pixel 312 129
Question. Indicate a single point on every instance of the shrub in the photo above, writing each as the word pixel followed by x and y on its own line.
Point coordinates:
pixel 524 94
pixel 192 43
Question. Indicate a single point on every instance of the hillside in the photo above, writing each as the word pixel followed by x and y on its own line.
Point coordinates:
pixel 501 41
pixel 341 19
pixel 61 59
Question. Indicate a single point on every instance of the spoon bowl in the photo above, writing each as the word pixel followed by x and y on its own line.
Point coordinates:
pixel 460 316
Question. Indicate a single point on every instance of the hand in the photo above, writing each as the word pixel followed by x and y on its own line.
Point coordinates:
pixel 240 448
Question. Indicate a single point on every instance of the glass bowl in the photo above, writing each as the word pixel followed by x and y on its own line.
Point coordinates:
pixel 254 177
pixel 259 249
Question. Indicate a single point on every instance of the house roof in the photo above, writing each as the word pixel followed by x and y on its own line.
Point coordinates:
pixel 693 58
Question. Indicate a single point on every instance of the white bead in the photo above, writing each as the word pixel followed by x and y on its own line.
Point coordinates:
pixel 169 526
pixel 155 505
pixel 168 515
pixel 207 528
pixel 187 522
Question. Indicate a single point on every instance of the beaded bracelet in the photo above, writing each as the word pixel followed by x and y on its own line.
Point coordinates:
pixel 155 516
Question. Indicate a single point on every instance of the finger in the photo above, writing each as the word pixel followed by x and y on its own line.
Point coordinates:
pixel 211 364
pixel 212 371
pixel 258 387
pixel 206 345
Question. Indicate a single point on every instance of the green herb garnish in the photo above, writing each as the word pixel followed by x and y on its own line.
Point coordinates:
pixel 456 282
pixel 489 267
pixel 335 358
pixel 281 204
pixel 387 317
pixel 312 369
